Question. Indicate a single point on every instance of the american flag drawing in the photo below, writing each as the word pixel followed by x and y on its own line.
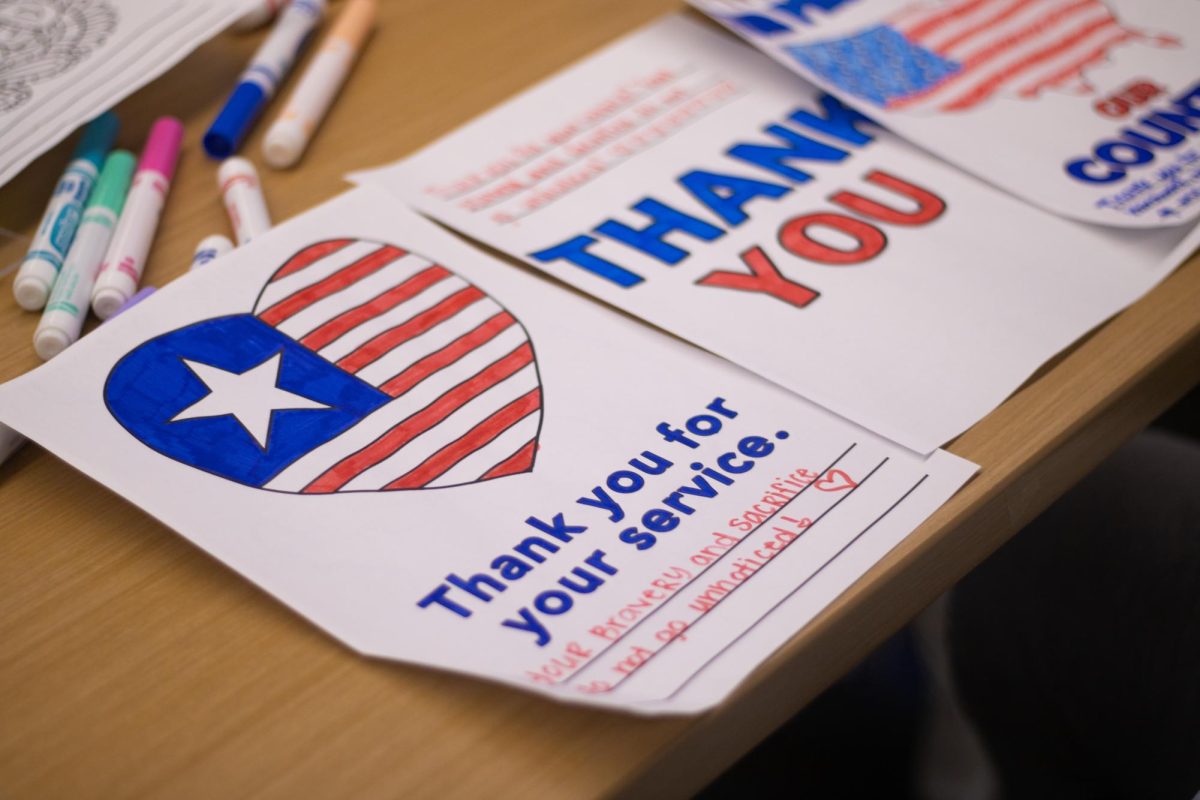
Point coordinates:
pixel 955 55
pixel 363 367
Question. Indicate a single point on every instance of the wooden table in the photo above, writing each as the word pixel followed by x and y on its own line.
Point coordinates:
pixel 132 664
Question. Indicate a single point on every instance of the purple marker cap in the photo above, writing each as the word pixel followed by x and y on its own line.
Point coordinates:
pixel 141 295
pixel 162 147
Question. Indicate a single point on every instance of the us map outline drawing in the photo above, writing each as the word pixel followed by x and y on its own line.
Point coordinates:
pixel 910 60
pixel 361 333
pixel 40 40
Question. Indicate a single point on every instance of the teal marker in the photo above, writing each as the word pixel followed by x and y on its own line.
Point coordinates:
pixel 57 229
pixel 63 318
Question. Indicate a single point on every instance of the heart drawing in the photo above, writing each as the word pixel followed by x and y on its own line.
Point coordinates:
pixel 835 480
pixel 362 367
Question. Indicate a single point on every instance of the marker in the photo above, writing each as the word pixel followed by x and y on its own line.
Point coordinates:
pixel 56 231
pixel 64 315
pixel 262 13
pixel 244 201
pixel 258 83
pixel 125 259
pixel 288 137
pixel 210 247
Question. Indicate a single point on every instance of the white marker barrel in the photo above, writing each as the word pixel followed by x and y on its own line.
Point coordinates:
pixel 125 260
pixel 209 249
pixel 258 83
pixel 243 197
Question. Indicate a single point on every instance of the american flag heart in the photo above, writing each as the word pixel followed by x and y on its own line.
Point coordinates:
pixel 955 55
pixel 362 367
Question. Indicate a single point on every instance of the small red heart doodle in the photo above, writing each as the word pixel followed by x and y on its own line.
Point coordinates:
pixel 835 480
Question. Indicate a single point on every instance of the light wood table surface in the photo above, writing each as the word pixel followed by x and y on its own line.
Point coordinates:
pixel 133 664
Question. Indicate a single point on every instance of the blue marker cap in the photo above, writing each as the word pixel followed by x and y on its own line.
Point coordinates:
pixel 98 138
pixel 242 108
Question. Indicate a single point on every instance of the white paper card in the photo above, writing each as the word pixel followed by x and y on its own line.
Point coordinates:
pixel 64 63
pixel 685 178
pixel 1089 108
pixel 441 459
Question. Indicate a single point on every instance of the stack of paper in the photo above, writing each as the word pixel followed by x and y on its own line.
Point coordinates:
pixel 64 63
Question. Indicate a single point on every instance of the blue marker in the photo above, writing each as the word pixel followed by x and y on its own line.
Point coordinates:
pixel 57 229
pixel 258 83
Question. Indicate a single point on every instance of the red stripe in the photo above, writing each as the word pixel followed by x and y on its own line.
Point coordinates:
pixel 930 25
pixel 1029 31
pixel 394 337
pixel 962 36
pixel 985 89
pixel 413 426
pixel 996 48
pixel 520 461
pixel 448 355
pixel 308 255
pixel 349 320
pixel 1076 68
pixel 443 460
pixel 295 303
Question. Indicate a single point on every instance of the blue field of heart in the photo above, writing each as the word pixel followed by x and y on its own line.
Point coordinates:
pixel 151 385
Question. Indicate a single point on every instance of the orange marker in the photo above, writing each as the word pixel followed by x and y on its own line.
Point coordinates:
pixel 289 135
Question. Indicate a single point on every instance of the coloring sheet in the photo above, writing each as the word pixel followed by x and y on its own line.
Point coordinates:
pixel 442 459
pixel 1088 108
pixel 64 62
pixel 683 177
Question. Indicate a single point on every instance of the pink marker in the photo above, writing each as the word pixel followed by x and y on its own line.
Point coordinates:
pixel 125 260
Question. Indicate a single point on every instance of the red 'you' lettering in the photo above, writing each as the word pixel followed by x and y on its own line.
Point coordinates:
pixel 764 277
pixel 794 237
pixel 929 205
